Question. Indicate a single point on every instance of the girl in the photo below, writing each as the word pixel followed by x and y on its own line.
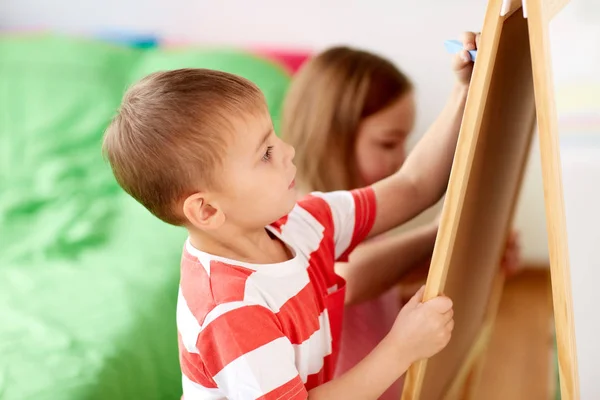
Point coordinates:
pixel 348 114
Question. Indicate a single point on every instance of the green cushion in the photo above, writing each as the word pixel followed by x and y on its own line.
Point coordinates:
pixel 88 278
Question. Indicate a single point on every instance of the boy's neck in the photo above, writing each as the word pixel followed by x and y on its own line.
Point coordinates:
pixel 257 247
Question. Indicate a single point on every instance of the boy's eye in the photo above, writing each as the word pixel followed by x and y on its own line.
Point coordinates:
pixel 387 145
pixel 267 155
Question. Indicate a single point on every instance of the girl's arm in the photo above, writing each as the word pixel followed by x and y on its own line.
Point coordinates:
pixel 376 266
pixel 423 178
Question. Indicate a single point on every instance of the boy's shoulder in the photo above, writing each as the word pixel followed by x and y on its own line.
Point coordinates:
pixel 214 279
pixel 208 282
pixel 208 288
pixel 212 289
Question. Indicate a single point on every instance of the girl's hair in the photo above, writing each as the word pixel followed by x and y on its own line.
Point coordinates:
pixel 326 102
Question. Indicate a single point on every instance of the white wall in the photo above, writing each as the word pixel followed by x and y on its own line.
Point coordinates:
pixel 581 169
pixel 394 28
pixel 409 32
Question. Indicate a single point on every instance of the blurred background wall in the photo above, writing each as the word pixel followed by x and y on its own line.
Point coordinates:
pixel 411 33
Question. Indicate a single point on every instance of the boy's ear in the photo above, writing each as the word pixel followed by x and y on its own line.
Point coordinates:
pixel 201 213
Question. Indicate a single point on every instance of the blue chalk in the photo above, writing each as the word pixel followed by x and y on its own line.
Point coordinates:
pixel 454 46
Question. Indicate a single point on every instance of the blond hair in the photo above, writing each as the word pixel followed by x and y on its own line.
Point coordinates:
pixel 168 138
pixel 325 104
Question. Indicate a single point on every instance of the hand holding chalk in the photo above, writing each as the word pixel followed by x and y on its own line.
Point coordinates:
pixel 455 46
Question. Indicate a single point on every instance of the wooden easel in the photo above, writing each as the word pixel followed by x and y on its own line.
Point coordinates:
pixel 511 86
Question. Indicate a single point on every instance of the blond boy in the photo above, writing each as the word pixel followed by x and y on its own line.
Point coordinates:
pixel 260 306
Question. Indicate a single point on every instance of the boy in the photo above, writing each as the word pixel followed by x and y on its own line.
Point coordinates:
pixel 260 307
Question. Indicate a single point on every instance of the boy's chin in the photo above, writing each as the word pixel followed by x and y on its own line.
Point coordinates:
pixel 284 210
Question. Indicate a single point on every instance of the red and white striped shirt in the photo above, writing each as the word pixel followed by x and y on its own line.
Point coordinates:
pixel 271 331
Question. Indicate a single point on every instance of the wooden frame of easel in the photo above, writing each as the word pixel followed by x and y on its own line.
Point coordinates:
pixel 511 86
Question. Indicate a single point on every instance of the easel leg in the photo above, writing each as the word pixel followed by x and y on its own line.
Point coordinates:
pixel 553 195
pixel 477 368
pixel 464 385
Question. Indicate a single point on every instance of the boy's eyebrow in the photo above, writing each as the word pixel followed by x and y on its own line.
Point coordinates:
pixel 394 133
pixel 264 139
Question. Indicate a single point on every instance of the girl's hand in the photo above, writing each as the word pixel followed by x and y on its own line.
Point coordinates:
pixel 462 64
pixel 511 259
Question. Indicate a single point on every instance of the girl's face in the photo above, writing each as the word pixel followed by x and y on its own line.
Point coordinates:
pixel 381 140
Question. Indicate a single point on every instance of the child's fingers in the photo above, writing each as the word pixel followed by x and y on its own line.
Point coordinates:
pixel 440 304
pixel 469 41
pixel 450 325
pixel 461 60
pixel 417 298
pixel 447 316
